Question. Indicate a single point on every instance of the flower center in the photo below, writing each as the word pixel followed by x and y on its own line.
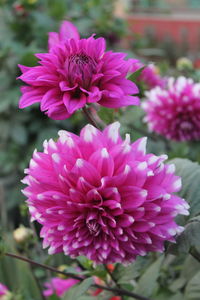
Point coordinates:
pixel 186 125
pixel 81 67
pixel 93 227
pixel 79 59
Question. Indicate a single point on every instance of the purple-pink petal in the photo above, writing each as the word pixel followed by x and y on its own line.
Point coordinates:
pixel 103 197
pixel 174 111
pixel 81 72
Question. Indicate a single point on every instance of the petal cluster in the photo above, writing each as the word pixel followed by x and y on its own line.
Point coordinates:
pixel 58 286
pixel 174 112
pixel 76 72
pixel 149 76
pixel 102 197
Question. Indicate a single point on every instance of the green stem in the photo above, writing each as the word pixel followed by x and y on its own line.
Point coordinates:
pixel 89 117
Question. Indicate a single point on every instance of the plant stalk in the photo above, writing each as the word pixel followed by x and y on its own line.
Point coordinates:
pixel 90 117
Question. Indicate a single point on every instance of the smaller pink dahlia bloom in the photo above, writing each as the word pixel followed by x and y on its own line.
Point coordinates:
pixel 58 286
pixel 149 76
pixel 76 72
pixel 3 289
pixel 102 197
pixel 174 112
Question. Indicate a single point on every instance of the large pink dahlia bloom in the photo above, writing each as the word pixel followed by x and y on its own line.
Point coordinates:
pixel 58 286
pixel 103 197
pixel 174 112
pixel 76 72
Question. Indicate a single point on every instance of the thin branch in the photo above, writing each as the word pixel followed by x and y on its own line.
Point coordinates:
pixel 89 117
pixel 121 292
pixel 52 269
pixel 116 290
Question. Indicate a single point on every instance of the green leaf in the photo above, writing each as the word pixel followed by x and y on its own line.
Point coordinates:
pixel 123 274
pixel 53 297
pixel 177 284
pixel 167 296
pixel 189 238
pixel 178 296
pixel 88 298
pixel 18 274
pixel 78 290
pixel 192 291
pixel 85 262
pixel 2 248
pixel 190 174
pixel 148 281
pixel 133 77
pixel 190 268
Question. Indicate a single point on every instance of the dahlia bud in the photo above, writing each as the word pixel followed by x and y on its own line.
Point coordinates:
pixel 22 234
pixel 110 267
pixel 62 268
pixel 184 63
pixel 19 10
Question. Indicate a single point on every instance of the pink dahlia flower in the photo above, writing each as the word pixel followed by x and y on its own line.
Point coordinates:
pixel 58 286
pixel 76 72
pixel 3 289
pixel 103 197
pixel 175 111
pixel 149 75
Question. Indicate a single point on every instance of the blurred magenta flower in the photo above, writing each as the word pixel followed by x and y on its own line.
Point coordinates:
pixel 3 289
pixel 76 72
pixel 103 197
pixel 174 112
pixel 58 286
pixel 149 76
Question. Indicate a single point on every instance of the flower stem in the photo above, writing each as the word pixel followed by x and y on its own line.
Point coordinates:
pixel 90 117
pixel 115 290
pixel 52 269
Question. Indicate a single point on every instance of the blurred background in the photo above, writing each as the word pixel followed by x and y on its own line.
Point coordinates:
pixel 159 31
